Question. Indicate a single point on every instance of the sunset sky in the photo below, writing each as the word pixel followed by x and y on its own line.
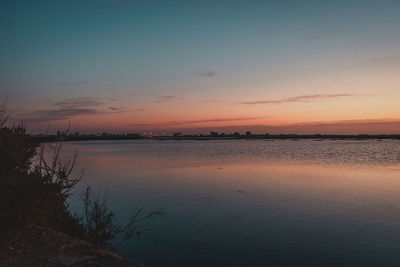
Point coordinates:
pixel 195 66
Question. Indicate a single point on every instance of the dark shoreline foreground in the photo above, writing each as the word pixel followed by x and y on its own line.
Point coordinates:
pixel 54 138
pixel 42 246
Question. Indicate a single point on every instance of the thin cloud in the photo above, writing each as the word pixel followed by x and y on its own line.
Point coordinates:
pixel 211 120
pixel 46 115
pixel 218 120
pixel 79 102
pixel 165 98
pixel 386 61
pixel 68 108
pixel 207 74
pixel 215 101
pixel 324 34
pixel 75 83
pixel 116 109
pixel 302 98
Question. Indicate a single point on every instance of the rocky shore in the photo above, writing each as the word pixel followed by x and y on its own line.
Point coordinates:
pixel 45 247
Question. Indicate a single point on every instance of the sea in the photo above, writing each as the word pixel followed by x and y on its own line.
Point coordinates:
pixel 249 202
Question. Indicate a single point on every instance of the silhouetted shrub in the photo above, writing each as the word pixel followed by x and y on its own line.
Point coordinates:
pixel 100 226
pixel 33 191
pixel 35 184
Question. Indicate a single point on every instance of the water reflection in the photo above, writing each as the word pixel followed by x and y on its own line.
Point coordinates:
pixel 253 203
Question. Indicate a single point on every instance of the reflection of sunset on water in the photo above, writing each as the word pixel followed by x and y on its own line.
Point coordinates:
pixel 309 196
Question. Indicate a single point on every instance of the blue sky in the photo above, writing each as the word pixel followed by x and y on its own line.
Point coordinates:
pixel 207 55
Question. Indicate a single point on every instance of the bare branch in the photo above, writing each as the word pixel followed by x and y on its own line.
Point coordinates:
pixel 3 112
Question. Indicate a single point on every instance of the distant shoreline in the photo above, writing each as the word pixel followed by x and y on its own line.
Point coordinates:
pixel 54 138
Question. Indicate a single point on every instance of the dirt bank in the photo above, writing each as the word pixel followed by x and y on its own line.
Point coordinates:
pixel 46 247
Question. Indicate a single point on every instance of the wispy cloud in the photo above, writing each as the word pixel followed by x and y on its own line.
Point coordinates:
pixel 302 98
pixel 217 120
pixel 74 83
pixel 210 120
pixel 47 115
pixel 116 109
pixel 215 101
pixel 386 61
pixel 322 35
pixel 165 98
pixel 68 108
pixel 207 73
pixel 79 102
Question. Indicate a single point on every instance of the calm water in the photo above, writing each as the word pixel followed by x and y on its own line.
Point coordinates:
pixel 253 203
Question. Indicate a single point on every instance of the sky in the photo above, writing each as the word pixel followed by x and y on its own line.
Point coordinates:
pixel 192 66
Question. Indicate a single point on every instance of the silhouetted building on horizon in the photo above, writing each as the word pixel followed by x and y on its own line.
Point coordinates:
pixel 214 133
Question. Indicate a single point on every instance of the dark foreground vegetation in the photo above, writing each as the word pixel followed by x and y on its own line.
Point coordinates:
pixel 35 184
